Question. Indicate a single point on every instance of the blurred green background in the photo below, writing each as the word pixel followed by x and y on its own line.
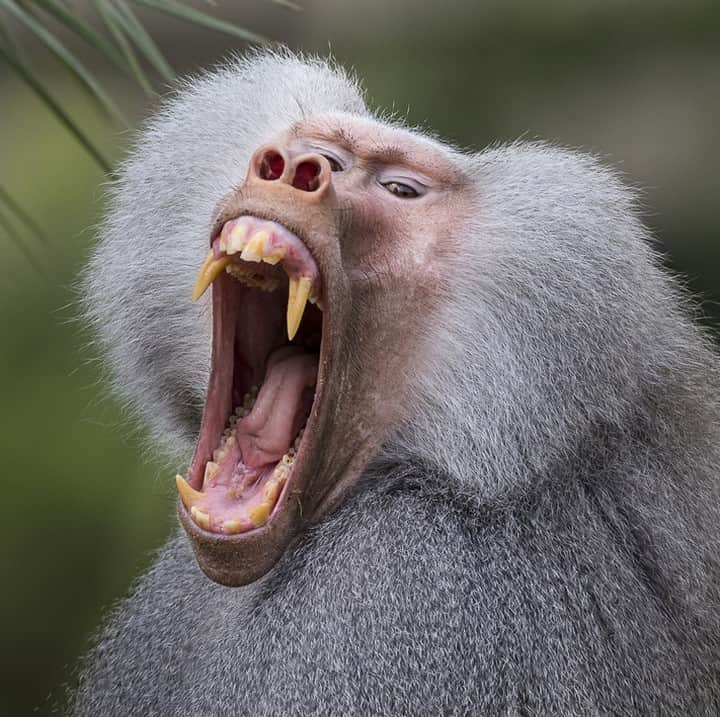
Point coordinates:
pixel 87 501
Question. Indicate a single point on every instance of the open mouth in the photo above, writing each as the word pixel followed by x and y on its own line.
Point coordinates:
pixel 267 337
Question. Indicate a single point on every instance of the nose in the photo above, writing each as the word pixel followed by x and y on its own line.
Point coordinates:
pixel 272 164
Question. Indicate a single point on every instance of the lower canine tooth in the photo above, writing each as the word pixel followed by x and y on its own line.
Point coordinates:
pixel 188 495
pixel 202 519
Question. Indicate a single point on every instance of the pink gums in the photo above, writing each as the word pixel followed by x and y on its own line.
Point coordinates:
pixel 297 260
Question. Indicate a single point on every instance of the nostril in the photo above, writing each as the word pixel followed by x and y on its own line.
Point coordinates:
pixel 271 166
pixel 307 176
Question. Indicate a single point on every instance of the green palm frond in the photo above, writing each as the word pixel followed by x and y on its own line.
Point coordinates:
pixel 9 227
pixel 21 215
pixel 184 12
pixel 111 29
pixel 115 23
pixel 30 78
pixel 87 79
pixel 85 31
pixel 288 5
pixel 14 222
pixel 145 44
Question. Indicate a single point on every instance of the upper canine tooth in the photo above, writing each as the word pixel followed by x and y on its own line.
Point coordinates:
pixel 188 495
pixel 236 240
pixel 208 273
pixel 253 250
pixel 298 293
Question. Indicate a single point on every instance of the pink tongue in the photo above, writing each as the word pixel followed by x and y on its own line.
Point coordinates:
pixel 280 409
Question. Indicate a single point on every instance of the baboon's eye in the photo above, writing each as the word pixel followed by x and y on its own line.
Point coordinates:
pixel 404 191
pixel 335 165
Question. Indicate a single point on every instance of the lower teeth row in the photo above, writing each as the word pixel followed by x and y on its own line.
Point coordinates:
pixel 259 513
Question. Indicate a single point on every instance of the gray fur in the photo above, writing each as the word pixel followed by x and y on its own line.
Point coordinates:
pixel 542 537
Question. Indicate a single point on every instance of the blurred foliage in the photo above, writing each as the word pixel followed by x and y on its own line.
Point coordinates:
pixel 636 83
pixel 121 39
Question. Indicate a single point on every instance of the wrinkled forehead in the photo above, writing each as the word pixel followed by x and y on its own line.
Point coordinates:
pixel 376 142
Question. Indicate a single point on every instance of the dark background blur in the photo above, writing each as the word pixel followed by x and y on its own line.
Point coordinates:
pixel 86 501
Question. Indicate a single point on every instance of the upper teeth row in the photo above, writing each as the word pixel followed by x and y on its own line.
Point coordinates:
pixel 256 249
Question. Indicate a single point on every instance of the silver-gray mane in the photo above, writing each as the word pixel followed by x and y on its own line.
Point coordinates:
pixel 541 537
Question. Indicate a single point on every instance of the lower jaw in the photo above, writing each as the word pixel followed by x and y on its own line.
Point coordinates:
pixel 236 560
